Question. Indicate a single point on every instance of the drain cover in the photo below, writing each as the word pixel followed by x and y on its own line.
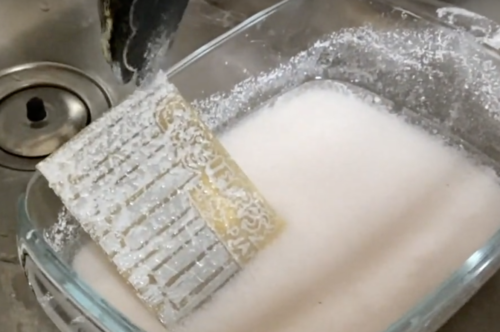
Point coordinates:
pixel 42 105
pixel 36 121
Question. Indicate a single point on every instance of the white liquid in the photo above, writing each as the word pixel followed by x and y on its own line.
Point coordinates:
pixel 378 215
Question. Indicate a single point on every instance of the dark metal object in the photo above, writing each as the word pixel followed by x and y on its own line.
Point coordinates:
pixel 135 32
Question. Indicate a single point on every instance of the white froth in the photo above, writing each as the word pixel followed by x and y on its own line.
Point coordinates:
pixel 63 232
pixel 378 212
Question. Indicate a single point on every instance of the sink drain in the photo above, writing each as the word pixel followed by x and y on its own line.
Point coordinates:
pixel 42 106
pixel 37 121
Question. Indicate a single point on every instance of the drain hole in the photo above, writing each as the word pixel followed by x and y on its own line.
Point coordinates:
pixel 35 110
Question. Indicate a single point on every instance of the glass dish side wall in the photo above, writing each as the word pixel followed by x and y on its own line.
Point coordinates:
pixel 268 40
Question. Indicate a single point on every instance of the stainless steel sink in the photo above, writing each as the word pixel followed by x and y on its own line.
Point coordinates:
pixel 49 51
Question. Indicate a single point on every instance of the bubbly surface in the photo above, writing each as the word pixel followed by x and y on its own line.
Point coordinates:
pixel 379 214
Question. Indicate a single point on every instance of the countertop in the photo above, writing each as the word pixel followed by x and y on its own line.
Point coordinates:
pixel 205 20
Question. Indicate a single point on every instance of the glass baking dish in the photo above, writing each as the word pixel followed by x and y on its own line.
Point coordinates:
pixel 378 49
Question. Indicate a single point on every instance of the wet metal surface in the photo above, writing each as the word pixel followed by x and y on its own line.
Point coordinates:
pixel 204 20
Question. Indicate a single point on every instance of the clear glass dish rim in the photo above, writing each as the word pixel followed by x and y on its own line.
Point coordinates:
pixel 434 309
pixel 208 47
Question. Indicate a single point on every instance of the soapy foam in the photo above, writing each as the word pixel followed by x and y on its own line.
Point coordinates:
pixel 378 212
